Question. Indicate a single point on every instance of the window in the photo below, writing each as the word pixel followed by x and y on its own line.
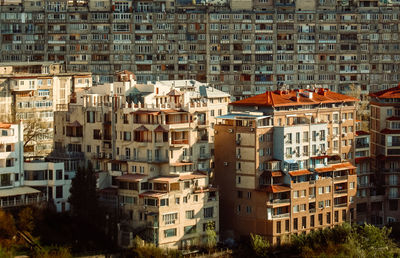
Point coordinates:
pixel 278 227
pixel 164 202
pixel 177 200
pixel 170 218
pixel 59 192
pixel 327 189
pixel 287 227
pixel 327 203
pixel 328 217
pixel 196 198
pixel 320 190
pixel 304 222
pixel 59 174
pixel 295 224
pixel 321 204
pixel 239 194
pixel 320 219
pixel 185 199
pixel 190 214
pixel 208 212
pixel 170 232
pixel 352 185
pixel 190 229
pixel 248 195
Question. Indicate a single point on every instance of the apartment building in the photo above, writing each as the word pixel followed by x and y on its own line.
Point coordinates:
pixel 28 183
pixel 367 199
pixel 31 92
pixel 285 163
pixel 154 144
pixel 241 47
pixel 385 152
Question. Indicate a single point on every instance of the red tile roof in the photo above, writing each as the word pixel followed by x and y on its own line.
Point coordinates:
pixel 294 98
pixel 390 131
pixel 277 188
pixel 160 129
pixel 131 177
pixel 392 93
pixel 343 166
pixel 359 133
pixel 393 118
pixel 324 169
pixel 300 172
pixel 5 126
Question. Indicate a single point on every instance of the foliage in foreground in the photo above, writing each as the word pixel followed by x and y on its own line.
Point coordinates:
pixel 143 250
pixel 339 241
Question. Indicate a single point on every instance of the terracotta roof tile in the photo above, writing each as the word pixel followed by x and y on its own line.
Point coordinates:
pixel 390 131
pixel 393 118
pixel 131 177
pixel 343 166
pixel 300 172
pixel 277 188
pixel 392 93
pixel 359 133
pixel 5 126
pixel 294 98
pixel 324 169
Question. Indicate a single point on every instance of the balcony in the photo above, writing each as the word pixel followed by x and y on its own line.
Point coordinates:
pixel 341 191
pixel 340 178
pixel 280 216
pixel 279 201
pixel 340 205
pixel 362 145
pixel 180 141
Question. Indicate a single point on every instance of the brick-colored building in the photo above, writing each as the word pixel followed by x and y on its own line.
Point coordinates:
pixel 284 163
pixel 385 155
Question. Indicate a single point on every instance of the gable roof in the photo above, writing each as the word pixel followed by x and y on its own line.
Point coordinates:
pixel 294 98
pixel 392 93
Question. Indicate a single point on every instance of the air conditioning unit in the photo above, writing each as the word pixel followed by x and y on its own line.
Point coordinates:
pixel 251 129
pixel 238 156
pixel 225 164
pixel 230 130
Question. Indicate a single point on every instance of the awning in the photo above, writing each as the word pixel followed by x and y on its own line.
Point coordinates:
pixel 300 172
pixel 18 191
pixel 180 164
pixel 343 166
pixel 192 176
pixel 277 188
pixel 74 124
pixel 151 194
pixel 320 157
pixel 164 179
pixel 141 128
pixel 131 177
pixel 145 112
pixel 160 129
pixel 5 126
pixel 324 169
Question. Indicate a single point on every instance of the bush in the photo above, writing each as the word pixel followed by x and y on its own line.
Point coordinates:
pixel 260 246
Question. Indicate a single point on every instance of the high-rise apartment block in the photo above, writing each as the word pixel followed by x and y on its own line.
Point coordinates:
pixel 241 47
pixel 284 163
pixel 154 144
pixel 385 154
pixel 31 92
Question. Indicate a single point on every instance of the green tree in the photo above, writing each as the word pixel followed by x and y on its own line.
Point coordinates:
pixel 83 196
pixel 7 229
pixel 259 245
pixel 211 236
pixel 26 220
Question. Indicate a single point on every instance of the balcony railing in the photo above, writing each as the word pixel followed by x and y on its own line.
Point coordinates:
pixel 182 141
pixel 279 201
pixel 339 205
pixel 341 191
pixel 339 178
pixel 279 216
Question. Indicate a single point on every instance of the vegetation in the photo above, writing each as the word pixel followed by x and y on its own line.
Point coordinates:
pixel 141 249
pixel 339 241
pixel 211 236
pixel 83 198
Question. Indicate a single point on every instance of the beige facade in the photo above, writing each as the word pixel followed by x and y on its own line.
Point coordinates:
pixel 288 171
pixel 155 143
pixel 31 92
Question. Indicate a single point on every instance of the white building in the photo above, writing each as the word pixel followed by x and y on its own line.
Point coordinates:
pixel 28 183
